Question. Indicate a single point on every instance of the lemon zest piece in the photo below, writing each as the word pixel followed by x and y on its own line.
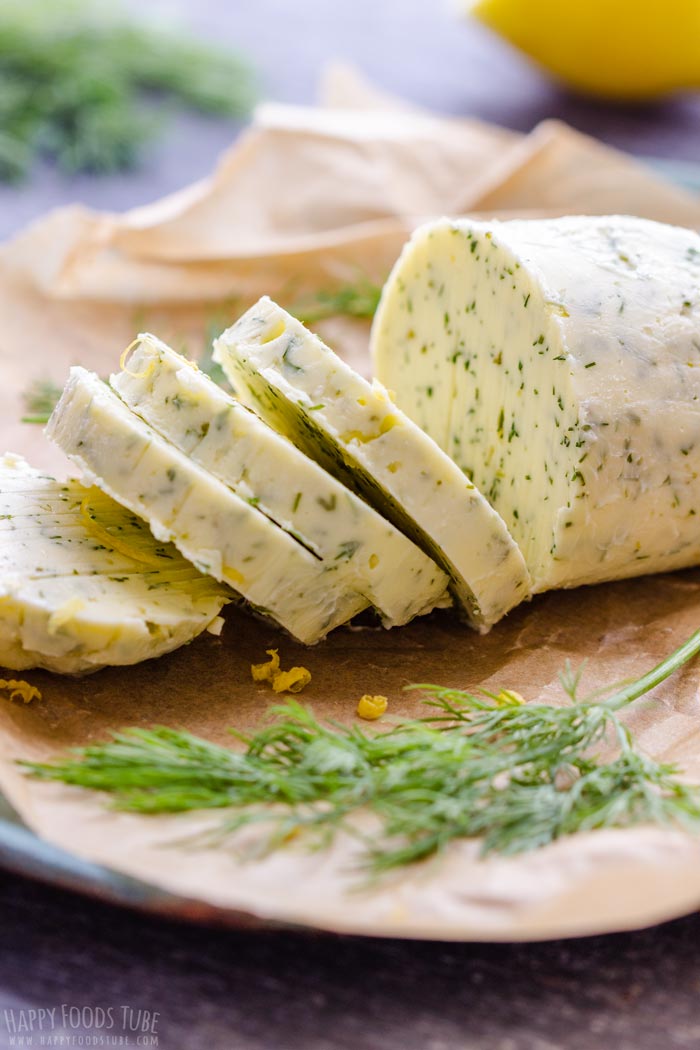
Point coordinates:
pixel 64 613
pixel 558 308
pixel 510 696
pixel 125 354
pixel 388 423
pixel 274 332
pixel 371 707
pixel 267 671
pixel 357 435
pixel 93 526
pixel 233 576
pixel 292 681
pixel 373 561
pixel 20 690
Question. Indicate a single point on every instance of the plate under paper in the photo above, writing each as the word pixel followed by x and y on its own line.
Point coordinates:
pixel 602 881
pixel 77 286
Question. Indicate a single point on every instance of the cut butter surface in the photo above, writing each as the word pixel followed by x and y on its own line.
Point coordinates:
pixel 263 467
pixel 353 430
pixel 558 363
pixel 220 533
pixel 71 602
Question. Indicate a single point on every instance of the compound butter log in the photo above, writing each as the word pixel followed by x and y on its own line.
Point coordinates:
pixel 558 363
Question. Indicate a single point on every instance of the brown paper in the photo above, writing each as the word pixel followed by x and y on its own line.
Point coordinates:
pixel 306 200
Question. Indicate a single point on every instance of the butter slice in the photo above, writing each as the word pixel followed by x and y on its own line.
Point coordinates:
pixel 263 467
pixel 71 603
pixel 220 533
pixel 352 428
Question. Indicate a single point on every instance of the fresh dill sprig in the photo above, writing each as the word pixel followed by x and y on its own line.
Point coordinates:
pixel 213 369
pixel 214 327
pixel 514 775
pixel 40 399
pixel 359 299
pixel 74 76
pixel 354 300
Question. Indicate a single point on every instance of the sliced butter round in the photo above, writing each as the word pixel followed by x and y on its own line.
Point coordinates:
pixel 83 583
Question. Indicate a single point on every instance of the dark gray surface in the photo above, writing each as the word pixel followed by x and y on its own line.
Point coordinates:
pixel 273 991
pixel 280 991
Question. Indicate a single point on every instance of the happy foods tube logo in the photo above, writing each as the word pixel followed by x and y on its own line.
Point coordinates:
pixel 69 1025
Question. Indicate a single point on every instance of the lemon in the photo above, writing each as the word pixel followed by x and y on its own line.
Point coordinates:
pixel 627 49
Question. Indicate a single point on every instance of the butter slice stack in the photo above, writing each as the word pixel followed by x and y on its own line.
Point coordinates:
pixel 213 527
pixel 84 584
pixel 362 551
pixel 352 428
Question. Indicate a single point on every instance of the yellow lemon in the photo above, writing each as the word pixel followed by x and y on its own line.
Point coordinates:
pixel 627 49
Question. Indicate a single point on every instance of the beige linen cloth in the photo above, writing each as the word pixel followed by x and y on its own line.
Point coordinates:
pixel 309 199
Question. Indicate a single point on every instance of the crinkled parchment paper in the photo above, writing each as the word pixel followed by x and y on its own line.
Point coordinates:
pixel 309 199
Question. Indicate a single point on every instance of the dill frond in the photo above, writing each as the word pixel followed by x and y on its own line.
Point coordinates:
pixel 350 300
pixel 514 775
pixel 74 76
pixel 206 362
pixel 40 399
pixel 359 299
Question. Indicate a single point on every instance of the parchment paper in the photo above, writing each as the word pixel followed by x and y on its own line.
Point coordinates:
pixel 308 199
